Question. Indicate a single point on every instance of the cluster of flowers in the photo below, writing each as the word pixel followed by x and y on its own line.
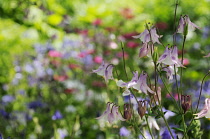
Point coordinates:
pixel 168 61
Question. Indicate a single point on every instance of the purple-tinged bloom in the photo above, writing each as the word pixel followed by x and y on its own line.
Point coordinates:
pixel 152 123
pixel 35 104
pixel 170 72
pixel 170 57
pixel 146 50
pixel 7 98
pixel 141 84
pixel 124 132
pixel 128 85
pixel 111 114
pixel 145 36
pixel 205 111
pixel 57 115
pixel 62 133
pixel 166 134
pixel 185 22
pixel 105 70
pixel 4 114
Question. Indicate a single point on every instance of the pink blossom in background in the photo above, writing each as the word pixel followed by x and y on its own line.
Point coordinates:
pixel 74 66
pixel 98 59
pixel 120 55
pixel 127 13
pixel 161 25
pixel 60 77
pixel 132 44
pixel 186 61
pixel 53 53
pixel 97 22
pixel 129 35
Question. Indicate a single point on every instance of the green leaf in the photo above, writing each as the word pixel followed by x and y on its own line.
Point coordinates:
pixel 178 129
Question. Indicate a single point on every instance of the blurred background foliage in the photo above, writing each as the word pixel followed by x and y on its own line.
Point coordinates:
pixel 49 48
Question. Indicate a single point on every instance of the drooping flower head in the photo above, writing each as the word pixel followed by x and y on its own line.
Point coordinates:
pixel 141 84
pixel 170 57
pixel 129 84
pixel 146 50
pixel 148 36
pixel 111 114
pixel 105 70
pixel 185 23
pixel 205 111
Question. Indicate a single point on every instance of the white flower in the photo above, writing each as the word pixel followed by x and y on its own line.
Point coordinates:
pixel 141 84
pixel 145 36
pixel 205 111
pixel 105 70
pixel 185 22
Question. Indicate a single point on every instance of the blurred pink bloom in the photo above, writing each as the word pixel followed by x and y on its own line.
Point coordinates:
pixel 205 111
pixel 186 61
pixel 127 13
pixel 161 25
pixel 74 66
pixel 129 35
pixel 145 36
pixel 60 77
pixel 207 55
pixel 98 59
pixel 53 53
pixel 132 44
pixel 97 22
pixel 120 55
pixel 185 22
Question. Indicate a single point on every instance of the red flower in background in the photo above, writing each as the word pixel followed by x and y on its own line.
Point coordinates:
pixel 60 78
pixel 127 13
pixel 132 44
pixel 161 25
pixel 97 22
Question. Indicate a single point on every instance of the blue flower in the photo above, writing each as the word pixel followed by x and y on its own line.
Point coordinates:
pixel 124 132
pixel 35 104
pixel 57 115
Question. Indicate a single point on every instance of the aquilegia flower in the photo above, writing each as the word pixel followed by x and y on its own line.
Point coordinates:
pixel 145 36
pixel 205 111
pixel 105 70
pixel 141 84
pixel 170 57
pixel 128 85
pixel 111 114
pixel 208 55
pixel 146 50
pixel 170 71
pixel 185 22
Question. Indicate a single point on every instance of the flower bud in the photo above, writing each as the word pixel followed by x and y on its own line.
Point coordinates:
pixel 142 108
pixel 155 55
pixel 186 102
pixel 127 111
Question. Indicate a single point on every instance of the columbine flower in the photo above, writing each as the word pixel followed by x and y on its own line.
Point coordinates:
pixel 128 85
pixel 142 108
pixel 111 115
pixel 170 71
pixel 185 22
pixel 146 50
pixel 205 111
pixel 127 111
pixel 170 57
pixel 152 123
pixel 141 84
pixel 186 102
pixel 145 36
pixel 57 115
pixel 105 70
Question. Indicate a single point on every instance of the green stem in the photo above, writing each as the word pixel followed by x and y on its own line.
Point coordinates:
pixel 175 11
pixel 122 46
pixel 201 91
pixel 181 73
pixel 149 127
